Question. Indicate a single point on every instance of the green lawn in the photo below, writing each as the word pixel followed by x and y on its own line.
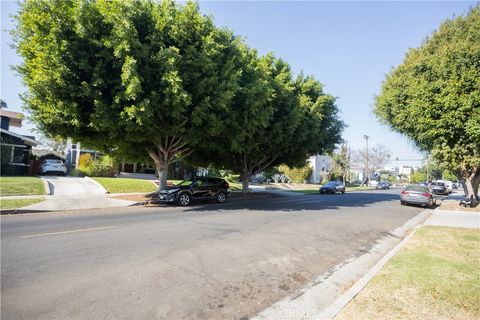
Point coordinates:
pixel 14 186
pixel 435 276
pixel 18 203
pixel 359 188
pixel 121 185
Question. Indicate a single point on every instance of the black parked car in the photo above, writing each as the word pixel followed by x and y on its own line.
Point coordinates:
pixel 439 188
pixel 332 187
pixel 383 185
pixel 202 188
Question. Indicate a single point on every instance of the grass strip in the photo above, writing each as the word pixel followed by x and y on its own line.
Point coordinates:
pixel 435 276
pixel 125 185
pixel 10 204
pixel 15 186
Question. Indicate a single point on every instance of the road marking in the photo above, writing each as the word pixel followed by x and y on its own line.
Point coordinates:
pixel 64 232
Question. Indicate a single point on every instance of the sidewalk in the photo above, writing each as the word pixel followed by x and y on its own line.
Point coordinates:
pixel 69 202
pixel 455 219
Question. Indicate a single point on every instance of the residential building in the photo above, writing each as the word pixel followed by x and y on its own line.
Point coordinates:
pixel 320 167
pixel 16 149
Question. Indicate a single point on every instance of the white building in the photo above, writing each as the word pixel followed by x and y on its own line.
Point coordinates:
pixel 405 170
pixel 321 166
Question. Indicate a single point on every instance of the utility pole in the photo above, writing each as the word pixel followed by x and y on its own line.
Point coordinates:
pixel 366 169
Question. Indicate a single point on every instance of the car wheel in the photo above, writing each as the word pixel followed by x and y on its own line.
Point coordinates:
pixel 402 203
pixel 431 204
pixel 184 199
pixel 343 190
pixel 221 197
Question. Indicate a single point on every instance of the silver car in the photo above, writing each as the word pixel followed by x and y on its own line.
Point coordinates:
pixel 417 194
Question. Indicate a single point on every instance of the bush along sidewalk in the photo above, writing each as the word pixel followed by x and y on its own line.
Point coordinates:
pixel 435 276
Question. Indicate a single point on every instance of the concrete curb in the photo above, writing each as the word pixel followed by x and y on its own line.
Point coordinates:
pixel 351 293
pixel 46 184
pixel 324 297
pixel 98 184
pixel 20 211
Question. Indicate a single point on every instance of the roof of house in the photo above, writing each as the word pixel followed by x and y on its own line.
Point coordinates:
pixel 27 140
pixel 15 117
pixel 42 153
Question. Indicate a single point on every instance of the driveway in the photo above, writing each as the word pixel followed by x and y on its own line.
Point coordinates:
pixel 68 186
pixel 72 193
pixel 207 261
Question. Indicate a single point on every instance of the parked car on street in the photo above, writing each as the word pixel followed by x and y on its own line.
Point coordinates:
pixel 448 185
pixel 383 185
pixel 51 166
pixel 439 188
pixel 201 188
pixel 332 187
pixel 420 195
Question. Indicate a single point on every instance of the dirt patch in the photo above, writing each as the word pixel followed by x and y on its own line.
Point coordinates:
pixel 136 197
pixel 453 205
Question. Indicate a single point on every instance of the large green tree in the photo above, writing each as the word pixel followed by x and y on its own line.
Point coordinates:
pixel 433 97
pixel 139 78
pixel 291 120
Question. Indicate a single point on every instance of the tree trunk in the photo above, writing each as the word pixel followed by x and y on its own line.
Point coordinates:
pixel 162 172
pixel 245 180
pixel 470 183
pixel 168 149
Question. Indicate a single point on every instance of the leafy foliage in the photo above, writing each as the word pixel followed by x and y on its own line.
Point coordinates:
pixel 433 97
pixel 340 164
pixel 297 175
pixel 158 79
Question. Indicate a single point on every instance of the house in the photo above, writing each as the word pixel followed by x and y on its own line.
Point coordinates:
pixel 16 149
pixel 320 167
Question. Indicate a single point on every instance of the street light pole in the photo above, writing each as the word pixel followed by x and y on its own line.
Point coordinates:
pixel 366 169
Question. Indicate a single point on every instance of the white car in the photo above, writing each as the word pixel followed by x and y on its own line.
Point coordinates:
pixel 448 184
pixel 50 166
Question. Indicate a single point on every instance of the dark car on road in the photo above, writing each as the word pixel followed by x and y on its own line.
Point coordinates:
pixel 416 194
pixel 439 188
pixel 198 189
pixel 383 185
pixel 332 187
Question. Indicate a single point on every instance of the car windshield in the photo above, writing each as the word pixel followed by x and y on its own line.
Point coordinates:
pixel 441 184
pixel 54 161
pixel 185 183
pixel 417 188
pixel 330 184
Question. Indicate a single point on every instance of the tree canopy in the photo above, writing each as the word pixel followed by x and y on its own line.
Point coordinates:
pixel 433 97
pixel 142 78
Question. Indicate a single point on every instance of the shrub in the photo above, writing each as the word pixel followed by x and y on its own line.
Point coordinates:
pixel 418 177
pixel 76 173
pixel 101 167
pixel 297 175
pixel 84 161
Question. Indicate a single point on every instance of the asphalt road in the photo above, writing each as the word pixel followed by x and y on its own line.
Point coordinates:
pixel 207 261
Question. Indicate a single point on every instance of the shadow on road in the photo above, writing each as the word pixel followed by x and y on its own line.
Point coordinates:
pixel 299 203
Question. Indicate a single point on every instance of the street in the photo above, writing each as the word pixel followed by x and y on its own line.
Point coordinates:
pixel 207 261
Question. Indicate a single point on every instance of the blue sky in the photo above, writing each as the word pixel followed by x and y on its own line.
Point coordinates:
pixel 348 46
